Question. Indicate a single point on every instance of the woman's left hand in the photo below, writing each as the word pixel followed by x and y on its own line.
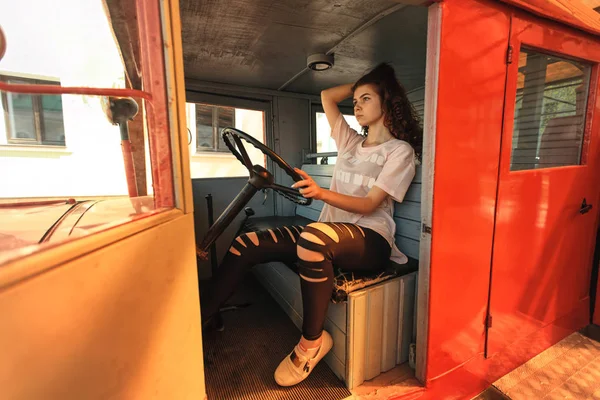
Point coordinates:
pixel 308 187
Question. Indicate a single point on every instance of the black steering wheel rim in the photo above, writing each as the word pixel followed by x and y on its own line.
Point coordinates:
pixel 259 179
pixel 231 134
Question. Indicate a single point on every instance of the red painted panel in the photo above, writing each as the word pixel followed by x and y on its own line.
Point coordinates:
pixel 478 373
pixel 543 246
pixel 475 38
pixel 469 122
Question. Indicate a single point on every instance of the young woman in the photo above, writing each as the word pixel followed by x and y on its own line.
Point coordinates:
pixel 355 231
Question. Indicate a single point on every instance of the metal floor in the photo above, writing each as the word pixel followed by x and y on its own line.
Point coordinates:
pixel 568 370
pixel 241 360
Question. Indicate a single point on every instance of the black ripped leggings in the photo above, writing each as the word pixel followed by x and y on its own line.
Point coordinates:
pixel 347 246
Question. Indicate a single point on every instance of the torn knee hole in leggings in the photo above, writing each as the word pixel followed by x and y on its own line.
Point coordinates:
pixel 311 238
pixel 309 255
pixel 326 229
pixel 311 246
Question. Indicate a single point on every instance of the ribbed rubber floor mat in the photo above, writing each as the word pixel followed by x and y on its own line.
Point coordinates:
pixel 241 360
pixel 568 370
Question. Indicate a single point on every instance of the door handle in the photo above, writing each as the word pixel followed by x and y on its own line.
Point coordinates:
pixel 585 207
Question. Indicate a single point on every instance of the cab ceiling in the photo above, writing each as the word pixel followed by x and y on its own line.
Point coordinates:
pixel 264 43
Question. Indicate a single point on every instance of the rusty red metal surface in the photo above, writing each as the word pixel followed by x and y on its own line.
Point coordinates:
pixel 129 168
pixel 154 81
pixel 571 12
pixel 53 89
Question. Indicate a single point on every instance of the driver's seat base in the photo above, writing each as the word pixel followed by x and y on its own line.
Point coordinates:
pixel 372 329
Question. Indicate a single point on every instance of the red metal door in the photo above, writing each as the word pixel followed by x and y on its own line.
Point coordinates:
pixel 549 174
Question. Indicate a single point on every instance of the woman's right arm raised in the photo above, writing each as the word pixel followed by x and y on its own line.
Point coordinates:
pixel 330 99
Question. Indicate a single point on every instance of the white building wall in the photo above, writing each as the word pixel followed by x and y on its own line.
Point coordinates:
pixel 70 41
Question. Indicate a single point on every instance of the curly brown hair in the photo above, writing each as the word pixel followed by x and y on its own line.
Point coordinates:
pixel 400 115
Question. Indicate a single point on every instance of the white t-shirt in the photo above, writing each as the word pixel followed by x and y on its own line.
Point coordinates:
pixel 390 166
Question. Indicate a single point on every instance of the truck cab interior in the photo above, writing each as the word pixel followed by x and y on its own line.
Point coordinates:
pixel 260 67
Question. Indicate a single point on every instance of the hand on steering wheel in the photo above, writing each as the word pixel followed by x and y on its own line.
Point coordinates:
pixel 309 188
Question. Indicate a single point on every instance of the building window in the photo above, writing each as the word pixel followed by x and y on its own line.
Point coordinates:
pixel 211 158
pixel 33 119
pixel 550 110
pixel 210 120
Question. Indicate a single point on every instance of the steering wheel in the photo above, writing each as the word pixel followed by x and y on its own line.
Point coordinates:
pixel 260 178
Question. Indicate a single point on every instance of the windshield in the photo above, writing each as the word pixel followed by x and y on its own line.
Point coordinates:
pixel 24 225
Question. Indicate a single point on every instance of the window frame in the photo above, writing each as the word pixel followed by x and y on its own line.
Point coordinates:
pixel 318 108
pixel 215 131
pixel 38 113
pixel 587 79
pixel 530 36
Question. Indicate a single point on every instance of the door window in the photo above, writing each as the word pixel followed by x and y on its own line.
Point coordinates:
pixel 68 168
pixel 550 111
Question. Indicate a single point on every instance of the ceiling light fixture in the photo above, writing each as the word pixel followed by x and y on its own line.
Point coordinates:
pixel 319 62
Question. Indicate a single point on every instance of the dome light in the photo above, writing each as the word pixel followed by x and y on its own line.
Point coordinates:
pixel 319 62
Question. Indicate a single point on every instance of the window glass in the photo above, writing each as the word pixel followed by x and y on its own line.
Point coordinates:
pixel 550 111
pixel 225 118
pixel 53 127
pixel 325 143
pixel 210 156
pixel 73 41
pixel 204 127
pixel 51 191
pixel 66 170
pixel 20 113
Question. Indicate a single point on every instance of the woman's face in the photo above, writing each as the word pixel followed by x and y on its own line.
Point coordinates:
pixel 367 105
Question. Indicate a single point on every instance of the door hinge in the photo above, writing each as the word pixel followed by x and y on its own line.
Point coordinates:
pixel 426 229
pixel 509 54
pixel 412 355
pixel 488 321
